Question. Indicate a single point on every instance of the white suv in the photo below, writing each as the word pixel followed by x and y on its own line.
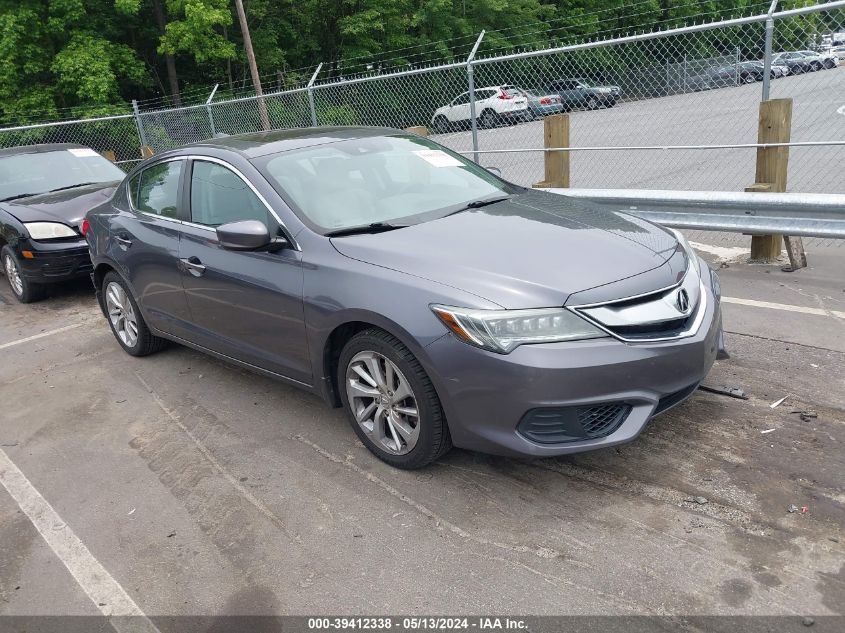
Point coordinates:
pixel 493 105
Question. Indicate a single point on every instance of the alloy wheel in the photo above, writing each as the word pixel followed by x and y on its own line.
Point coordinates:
pixel 13 274
pixel 121 314
pixel 383 402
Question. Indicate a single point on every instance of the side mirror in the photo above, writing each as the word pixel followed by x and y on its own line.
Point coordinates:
pixel 246 235
pixel 495 171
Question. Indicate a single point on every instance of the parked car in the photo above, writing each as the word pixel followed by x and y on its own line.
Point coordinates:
pixel 796 62
pixel 541 104
pixel 437 303
pixel 744 72
pixel 826 59
pixel 839 51
pixel 45 191
pixel 806 61
pixel 581 93
pixel 494 105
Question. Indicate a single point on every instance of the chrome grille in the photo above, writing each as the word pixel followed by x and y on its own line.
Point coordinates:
pixel 672 312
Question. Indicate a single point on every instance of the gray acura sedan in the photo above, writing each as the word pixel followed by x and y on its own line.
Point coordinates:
pixel 437 303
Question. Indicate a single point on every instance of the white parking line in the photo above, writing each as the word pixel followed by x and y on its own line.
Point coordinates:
pixel 103 590
pixel 784 306
pixel 35 337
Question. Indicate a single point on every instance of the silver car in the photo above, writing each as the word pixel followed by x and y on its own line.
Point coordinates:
pixel 438 304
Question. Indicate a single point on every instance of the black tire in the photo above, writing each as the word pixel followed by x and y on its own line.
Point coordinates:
pixel 749 78
pixel 488 119
pixel 146 342
pixel 434 440
pixel 23 290
pixel 592 103
pixel 829 63
pixel 815 66
pixel 441 124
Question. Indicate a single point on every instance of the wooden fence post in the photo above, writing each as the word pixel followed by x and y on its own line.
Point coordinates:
pixel 774 126
pixel 419 130
pixel 555 134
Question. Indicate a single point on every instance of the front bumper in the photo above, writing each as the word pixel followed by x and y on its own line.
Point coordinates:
pixel 54 262
pixel 486 395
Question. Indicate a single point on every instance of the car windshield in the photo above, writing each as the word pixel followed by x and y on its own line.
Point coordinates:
pixel 40 172
pixel 395 180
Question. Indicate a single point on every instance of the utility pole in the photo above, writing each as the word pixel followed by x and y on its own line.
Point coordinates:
pixel 253 68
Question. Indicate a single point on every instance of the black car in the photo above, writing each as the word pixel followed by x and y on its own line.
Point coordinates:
pixel 575 93
pixel 733 74
pixel 45 192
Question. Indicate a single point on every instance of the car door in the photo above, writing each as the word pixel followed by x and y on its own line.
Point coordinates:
pixel 144 243
pixel 459 108
pixel 244 304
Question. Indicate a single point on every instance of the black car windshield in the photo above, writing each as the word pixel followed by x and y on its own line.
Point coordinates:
pixel 395 180
pixel 39 172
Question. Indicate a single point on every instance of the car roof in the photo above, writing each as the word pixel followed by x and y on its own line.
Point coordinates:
pixel 255 144
pixel 39 148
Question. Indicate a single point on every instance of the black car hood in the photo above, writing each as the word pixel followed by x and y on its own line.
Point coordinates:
pixel 534 250
pixel 68 206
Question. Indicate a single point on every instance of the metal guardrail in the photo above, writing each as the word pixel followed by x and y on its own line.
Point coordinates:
pixel 794 214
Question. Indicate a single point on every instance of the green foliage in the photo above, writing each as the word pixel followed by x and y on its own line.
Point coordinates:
pixel 67 58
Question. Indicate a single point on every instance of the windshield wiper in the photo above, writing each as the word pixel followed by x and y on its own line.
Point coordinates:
pixel 18 196
pixel 477 204
pixel 375 227
pixel 81 184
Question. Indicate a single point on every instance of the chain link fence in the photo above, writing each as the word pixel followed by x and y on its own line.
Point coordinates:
pixel 655 110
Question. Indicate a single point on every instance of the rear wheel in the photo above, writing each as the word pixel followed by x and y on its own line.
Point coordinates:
pixel 488 119
pixel 749 78
pixel 592 103
pixel 24 290
pixel 391 402
pixel 829 63
pixel 815 66
pixel 125 319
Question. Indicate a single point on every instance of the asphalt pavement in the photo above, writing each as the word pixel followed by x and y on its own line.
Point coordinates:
pixel 712 117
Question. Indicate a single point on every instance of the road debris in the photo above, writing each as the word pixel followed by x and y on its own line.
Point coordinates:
pixel 792 508
pixel 699 500
pixel 131 512
pixel 806 415
pixel 807 621
pixel 766 431
pixel 732 392
pixel 777 403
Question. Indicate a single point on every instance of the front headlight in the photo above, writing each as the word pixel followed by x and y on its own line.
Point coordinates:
pixel 691 254
pixel 49 230
pixel 503 330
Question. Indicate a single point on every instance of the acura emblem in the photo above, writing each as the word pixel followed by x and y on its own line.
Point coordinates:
pixel 682 301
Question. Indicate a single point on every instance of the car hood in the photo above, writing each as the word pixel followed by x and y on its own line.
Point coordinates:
pixel 68 206
pixel 533 250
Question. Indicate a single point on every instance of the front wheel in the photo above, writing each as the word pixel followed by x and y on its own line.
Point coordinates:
pixel 592 103
pixel 125 319
pixel 24 290
pixel 391 402
pixel 441 124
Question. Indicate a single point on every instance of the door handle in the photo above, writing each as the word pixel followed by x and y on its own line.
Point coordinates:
pixel 193 266
pixel 123 242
